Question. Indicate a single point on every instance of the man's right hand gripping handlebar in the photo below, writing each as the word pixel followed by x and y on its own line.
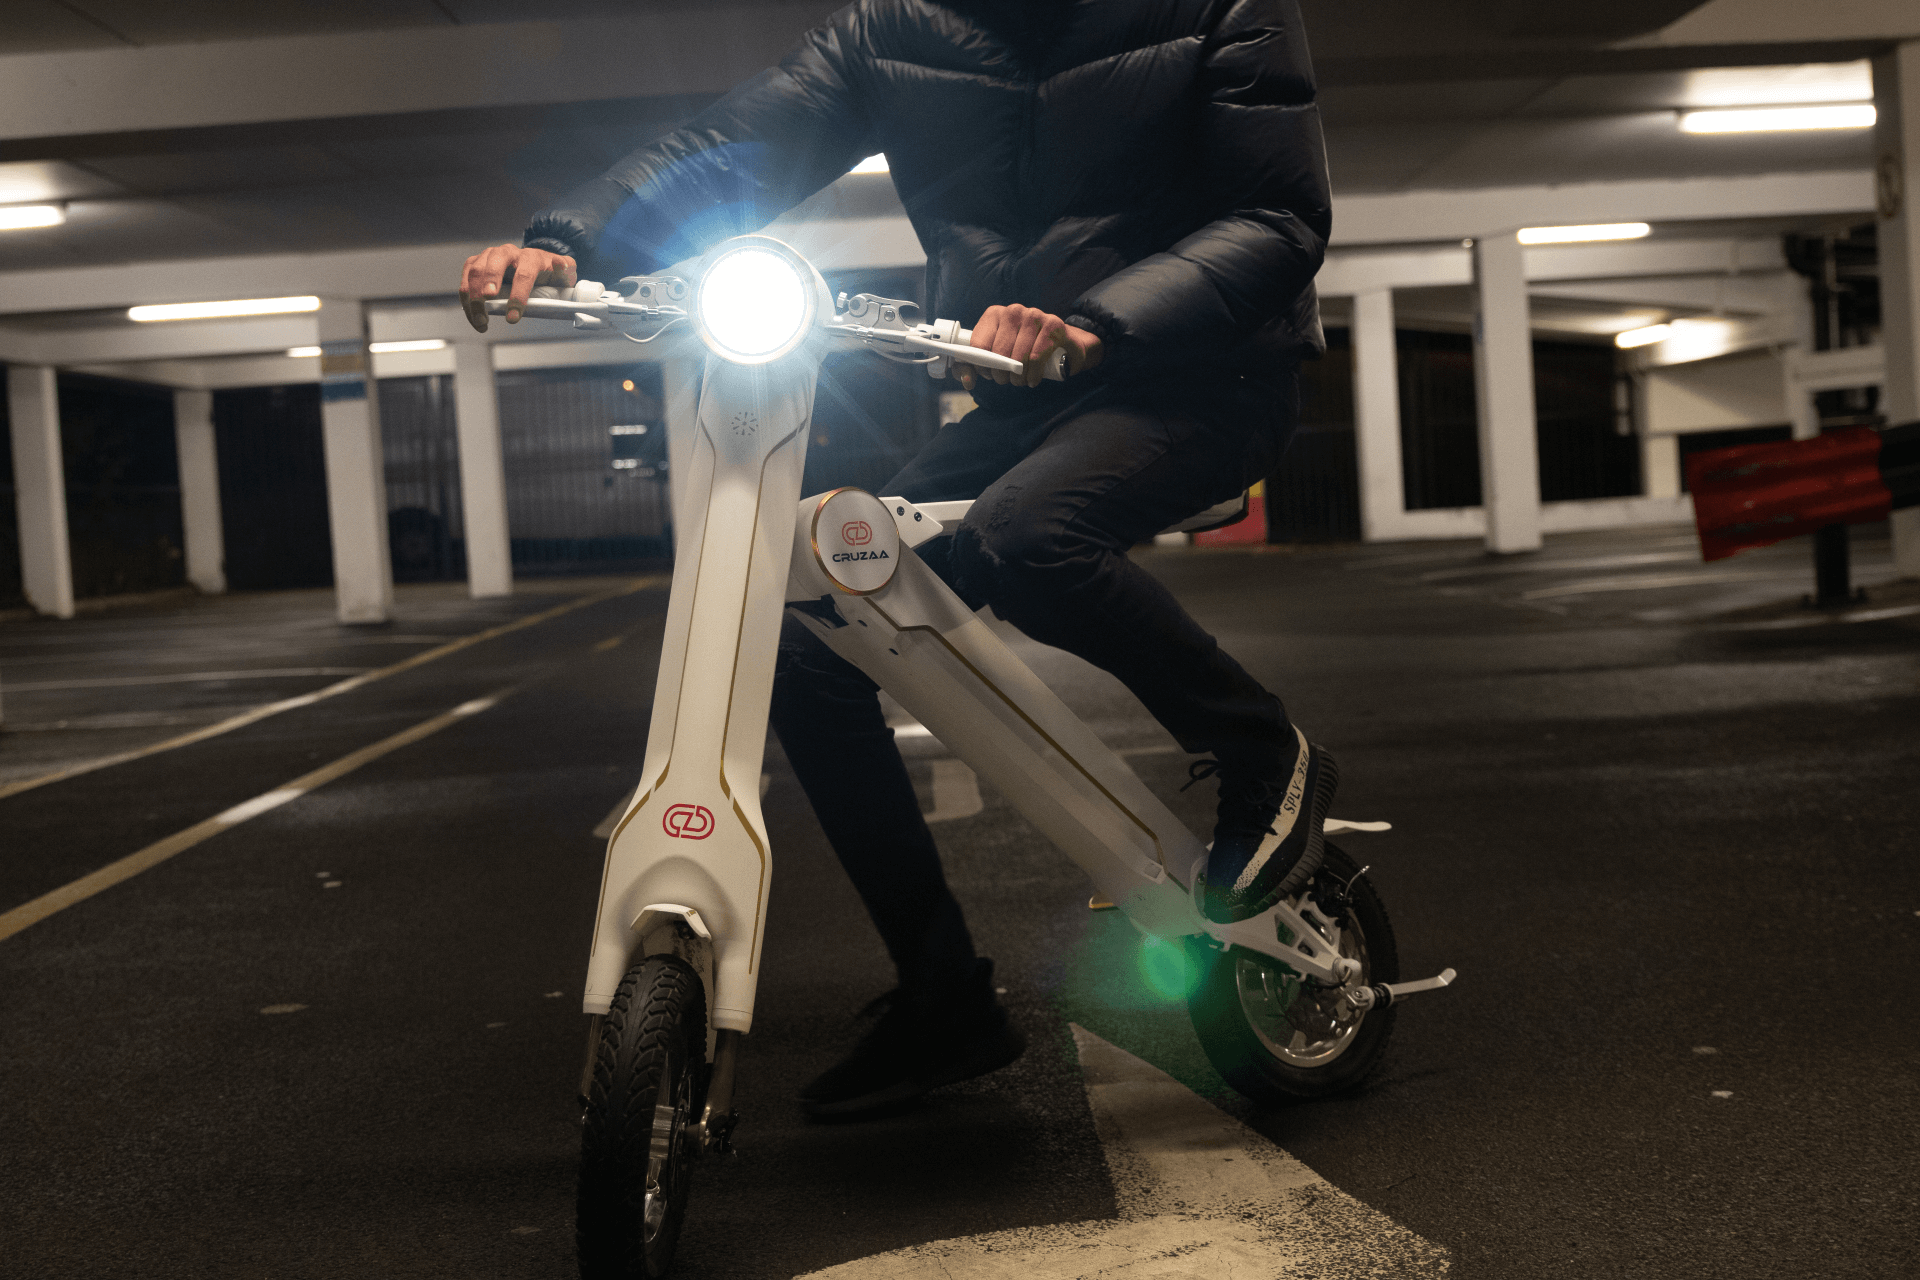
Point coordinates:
pixel 516 270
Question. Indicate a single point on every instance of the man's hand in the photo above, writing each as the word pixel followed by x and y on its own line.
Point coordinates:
pixel 1029 335
pixel 488 271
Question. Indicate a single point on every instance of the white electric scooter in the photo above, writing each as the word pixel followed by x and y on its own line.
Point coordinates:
pixel 1296 1002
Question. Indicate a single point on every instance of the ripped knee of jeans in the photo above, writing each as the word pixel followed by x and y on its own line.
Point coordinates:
pixel 974 565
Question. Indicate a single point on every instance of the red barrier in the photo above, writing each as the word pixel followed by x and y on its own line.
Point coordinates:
pixel 1754 495
pixel 1249 529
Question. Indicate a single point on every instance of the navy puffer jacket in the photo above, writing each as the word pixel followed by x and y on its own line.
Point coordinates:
pixel 1152 168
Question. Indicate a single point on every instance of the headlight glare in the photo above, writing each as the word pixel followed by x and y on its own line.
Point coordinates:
pixel 754 305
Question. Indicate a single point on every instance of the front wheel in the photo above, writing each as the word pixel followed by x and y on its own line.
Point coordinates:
pixel 1276 1037
pixel 648 1079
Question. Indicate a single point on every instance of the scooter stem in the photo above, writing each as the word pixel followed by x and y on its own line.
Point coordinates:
pixel 694 834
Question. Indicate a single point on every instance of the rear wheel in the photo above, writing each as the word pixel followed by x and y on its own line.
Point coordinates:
pixel 648 1082
pixel 1276 1036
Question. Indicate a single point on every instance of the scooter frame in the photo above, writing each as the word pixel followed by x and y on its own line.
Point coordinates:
pixel 689 867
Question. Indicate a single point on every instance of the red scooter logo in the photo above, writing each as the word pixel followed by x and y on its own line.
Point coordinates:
pixel 688 821
pixel 856 533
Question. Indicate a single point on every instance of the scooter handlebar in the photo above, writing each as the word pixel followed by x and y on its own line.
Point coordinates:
pixel 578 309
pixel 1056 363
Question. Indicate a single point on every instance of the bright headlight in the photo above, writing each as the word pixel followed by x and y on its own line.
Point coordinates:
pixel 754 304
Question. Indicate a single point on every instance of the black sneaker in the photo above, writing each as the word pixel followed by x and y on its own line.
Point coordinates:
pixel 1267 841
pixel 922 1042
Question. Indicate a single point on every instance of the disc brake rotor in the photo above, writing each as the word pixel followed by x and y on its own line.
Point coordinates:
pixel 1298 1022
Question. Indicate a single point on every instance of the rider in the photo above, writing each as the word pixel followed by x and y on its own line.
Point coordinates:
pixel 1141 184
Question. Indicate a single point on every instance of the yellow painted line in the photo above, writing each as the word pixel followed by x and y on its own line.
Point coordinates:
pixel 31 913
pixel 611 642
pixel 257 714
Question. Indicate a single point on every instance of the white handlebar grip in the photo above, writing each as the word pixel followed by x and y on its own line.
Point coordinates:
pixel 1056 368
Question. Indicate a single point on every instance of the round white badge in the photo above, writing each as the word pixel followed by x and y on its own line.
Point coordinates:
pixel 855 541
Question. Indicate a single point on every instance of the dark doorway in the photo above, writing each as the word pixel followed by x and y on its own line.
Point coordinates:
pixel 1587 449
pixel 1314 494
pixel 273 487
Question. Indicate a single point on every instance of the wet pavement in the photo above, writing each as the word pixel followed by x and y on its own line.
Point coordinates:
pixel 1660 819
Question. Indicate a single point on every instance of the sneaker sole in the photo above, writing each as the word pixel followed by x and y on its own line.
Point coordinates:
pixel 1309 861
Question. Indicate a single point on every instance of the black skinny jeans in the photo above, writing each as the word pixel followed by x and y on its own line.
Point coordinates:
pixel 1065 485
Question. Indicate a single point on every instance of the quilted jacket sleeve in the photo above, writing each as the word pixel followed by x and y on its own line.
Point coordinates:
pixel 763 148
pixel 1262 175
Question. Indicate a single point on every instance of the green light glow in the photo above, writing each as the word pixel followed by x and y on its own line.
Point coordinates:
pixel 1164 967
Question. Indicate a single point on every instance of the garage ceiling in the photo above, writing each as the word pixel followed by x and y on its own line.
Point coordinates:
pixel 1418 94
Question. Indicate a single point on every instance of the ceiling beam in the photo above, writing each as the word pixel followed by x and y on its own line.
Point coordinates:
pixel 1786 21
pixel 665 53
pixel 1415 216
pixel 1351 272
pixel 353 273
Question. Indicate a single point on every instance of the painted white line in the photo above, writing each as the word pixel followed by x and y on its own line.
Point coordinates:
pixel 191 677
pixel 604 830
pixel 1550 566
pixel 1199 1194
pixel 1821 619
pixel 1656 581
pixel 260 713
pixel 31 913
pixel 1162 749
pixel 956 792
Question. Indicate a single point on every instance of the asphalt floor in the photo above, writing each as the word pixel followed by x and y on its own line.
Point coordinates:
pixel 1659 817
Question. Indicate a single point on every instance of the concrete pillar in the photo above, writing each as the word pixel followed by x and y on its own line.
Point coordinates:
pixel 356 478
pixel 483 481
pixel 1660 466
pixel 1896 92
pixel 40 489
pixel 1376 414
pixel 1503 386
pixel 1803 415
pixel 200 491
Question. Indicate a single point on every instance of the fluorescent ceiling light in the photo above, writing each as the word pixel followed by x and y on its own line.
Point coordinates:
pixel 1573 235
pixel 1845 115
pixel 211 310
pixel 378 348
pixel 872 164
pixel 1778 86
pixel 19 217
pixel 1645 336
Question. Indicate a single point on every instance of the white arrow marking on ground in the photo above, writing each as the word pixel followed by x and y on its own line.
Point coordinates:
pixel 1201 1197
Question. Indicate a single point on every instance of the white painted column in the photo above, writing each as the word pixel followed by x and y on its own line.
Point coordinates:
pixel 1795 307
pixel 1659 454
pixel 483 479
pixel 356 478
pixel 200 491
pixel 1503 387
pixel 1376 413
pixel 1660 466
pixel 40 489
pixel 1896 92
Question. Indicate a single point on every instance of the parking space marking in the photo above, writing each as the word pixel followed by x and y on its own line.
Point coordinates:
pixel 1198 1194
pixel 956 792
pixel 31 913
pixel 1656 581
pixel 189 677
pixel 257 714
